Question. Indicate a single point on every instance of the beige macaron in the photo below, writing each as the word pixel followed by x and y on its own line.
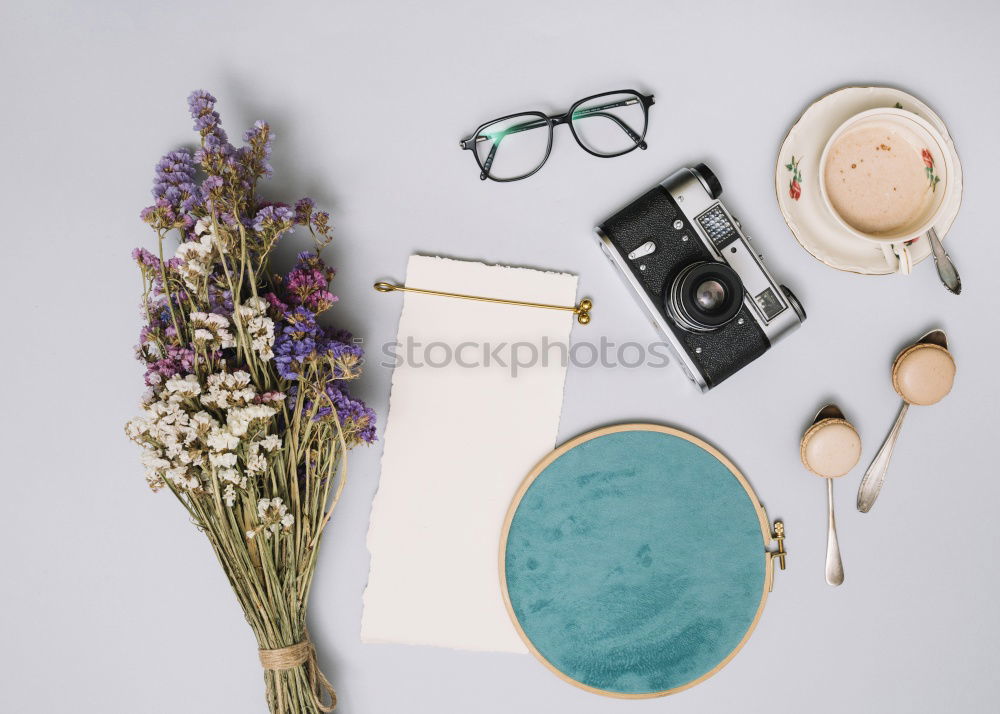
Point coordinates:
pixel 923 373
pixel 830 448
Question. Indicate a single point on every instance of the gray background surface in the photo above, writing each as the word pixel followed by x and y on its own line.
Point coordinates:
pixel 111 602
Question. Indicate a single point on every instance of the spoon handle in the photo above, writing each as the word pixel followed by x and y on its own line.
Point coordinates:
pixel 871 484
pixel 834 565
pixel 946 269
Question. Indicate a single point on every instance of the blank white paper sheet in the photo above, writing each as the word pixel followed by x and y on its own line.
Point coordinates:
pixel 463 431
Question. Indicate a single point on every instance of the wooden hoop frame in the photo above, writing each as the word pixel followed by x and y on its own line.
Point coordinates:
pixel 765 527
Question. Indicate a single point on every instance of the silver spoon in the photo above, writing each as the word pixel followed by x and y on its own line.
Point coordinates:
pixel 945 268
pixel 830 448
pixel 921 374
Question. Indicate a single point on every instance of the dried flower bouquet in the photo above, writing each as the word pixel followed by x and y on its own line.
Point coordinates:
pixel 247 419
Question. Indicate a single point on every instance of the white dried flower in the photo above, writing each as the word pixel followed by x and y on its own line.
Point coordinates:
pixel 178 438
pixel 196 257
pixel 274 516
pixel 204 225
pixel 182 477
pixel 230 475
pixel 271 442
pixel 239 419
pixel 258 326
pixel 211 331
pixel 264 505
pixel 256 463
pixel 225 390
pixel 224 459
pixel 203 424
pixel 261 332
pixel 220 439
pixel 153 460
pixel 136 427
pixel 252 307
pixel 184 387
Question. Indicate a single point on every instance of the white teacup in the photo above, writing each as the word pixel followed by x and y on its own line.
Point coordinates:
pixel 883 176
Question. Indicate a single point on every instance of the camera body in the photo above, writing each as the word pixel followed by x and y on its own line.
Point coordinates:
pixel 698 277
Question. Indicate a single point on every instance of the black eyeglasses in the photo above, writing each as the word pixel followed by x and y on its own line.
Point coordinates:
pixel 605 125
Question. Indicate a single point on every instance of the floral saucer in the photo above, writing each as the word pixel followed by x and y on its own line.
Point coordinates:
pixel 796 181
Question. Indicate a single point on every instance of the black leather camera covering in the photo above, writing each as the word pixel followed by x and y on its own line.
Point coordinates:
pixel 651 217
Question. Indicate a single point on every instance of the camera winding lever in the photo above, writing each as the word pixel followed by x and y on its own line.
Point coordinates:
pixel 582 311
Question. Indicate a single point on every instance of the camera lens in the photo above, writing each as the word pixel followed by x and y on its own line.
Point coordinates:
pixel 710 295
pixel 705 296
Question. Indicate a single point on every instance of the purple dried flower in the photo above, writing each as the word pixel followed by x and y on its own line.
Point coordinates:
pixel 278 308
pixel 220 300
pixel 356 419
pixel 178 360
pixel 175 193
pixel 210 187
pixel 308 281
pixel 144 258
pixel 295 342
pixel 254 158
pixel 321 221
pixel 275 217
pixel 201 104
pixel 303 211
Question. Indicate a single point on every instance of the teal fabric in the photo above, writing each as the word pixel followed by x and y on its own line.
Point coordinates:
pixel 635 562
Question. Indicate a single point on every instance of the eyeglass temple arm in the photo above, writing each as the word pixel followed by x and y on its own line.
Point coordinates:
pixel 489 159
pixel 496 136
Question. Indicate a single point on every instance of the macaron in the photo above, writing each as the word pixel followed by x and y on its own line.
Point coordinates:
pixel 830 448
pixel 923 373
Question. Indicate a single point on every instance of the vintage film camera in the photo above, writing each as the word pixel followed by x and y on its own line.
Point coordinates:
pixel 695 272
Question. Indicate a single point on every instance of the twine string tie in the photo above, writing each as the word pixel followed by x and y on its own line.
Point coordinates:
pixel 302 653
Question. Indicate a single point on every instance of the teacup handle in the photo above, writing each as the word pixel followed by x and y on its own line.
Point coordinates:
pixel 898 256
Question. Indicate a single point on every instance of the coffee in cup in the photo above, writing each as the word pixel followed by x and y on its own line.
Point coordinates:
pixel 884 177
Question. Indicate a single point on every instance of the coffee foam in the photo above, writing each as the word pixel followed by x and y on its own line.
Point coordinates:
pixel 876 178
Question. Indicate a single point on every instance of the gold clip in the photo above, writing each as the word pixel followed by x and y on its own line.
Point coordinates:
pixel 582 311
pixel 779 535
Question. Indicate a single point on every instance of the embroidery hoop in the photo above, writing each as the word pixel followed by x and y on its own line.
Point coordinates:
pixel 766 535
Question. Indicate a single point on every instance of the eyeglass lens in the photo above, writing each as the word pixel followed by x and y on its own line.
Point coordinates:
pixel 514 147
pixel 611 124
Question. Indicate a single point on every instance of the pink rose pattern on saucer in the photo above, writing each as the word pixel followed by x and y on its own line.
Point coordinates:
pixel 795 185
